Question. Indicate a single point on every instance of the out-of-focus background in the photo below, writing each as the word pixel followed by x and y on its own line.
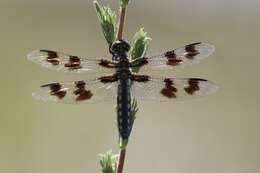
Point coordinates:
pixel 215 134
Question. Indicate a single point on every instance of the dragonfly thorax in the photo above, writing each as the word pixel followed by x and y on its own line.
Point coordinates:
pixel 119 50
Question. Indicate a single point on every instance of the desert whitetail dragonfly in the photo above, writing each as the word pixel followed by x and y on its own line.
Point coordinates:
pixel 123 83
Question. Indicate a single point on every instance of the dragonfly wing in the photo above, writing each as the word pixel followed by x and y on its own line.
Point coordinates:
pixel 183 56
pixel 68 63
pixel 170 89
pixel 100 89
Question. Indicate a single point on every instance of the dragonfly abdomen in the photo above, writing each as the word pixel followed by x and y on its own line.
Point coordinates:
pixel 123 105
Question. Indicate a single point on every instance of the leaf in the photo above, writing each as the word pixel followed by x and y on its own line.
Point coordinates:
pixel 108 162
pixel 140 45
pixel 107 19
pixel 134 110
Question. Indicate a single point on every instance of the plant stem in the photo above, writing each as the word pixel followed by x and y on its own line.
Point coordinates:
pixel 121 161
pixel 121 23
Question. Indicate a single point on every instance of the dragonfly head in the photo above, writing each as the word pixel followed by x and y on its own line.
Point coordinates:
pixel 120 48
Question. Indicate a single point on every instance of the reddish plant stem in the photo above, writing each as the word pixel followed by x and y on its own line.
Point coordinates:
pixel 121 23
pixel 121 161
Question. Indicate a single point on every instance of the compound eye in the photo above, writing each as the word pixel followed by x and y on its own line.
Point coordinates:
pixel 115 47
pixel 126 47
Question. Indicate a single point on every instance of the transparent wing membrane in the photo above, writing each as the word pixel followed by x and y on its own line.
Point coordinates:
pixel 68 63
pixel 77 92
pixel 172 89
pixel 183 56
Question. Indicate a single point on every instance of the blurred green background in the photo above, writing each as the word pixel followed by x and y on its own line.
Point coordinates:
pixel 215 134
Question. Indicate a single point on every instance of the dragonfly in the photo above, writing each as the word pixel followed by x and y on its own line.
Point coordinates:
pixel 121 82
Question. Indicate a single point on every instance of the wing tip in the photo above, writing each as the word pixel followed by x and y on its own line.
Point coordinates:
pixel 33 55
pixel 212 87
pixel 38 94
pixel 210 47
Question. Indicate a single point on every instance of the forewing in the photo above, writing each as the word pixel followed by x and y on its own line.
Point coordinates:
pixel 79 91
pixel 183 56
pixel 69 63
pixel 170 89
